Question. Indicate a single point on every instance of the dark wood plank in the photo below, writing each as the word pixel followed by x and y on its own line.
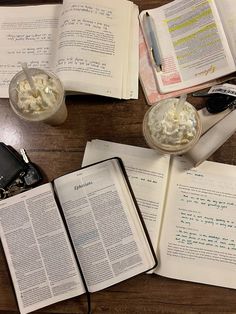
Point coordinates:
pixel 58 150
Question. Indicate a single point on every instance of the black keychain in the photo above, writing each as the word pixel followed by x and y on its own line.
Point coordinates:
pixel 16 187
pixel 32 175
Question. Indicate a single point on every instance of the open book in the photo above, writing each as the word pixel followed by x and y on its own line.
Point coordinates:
pixel 148 81
pixel 91 45
pixel 189 212
pixel 196 41
pixel 83 232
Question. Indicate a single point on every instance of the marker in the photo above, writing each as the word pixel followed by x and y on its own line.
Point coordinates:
pixel 152 42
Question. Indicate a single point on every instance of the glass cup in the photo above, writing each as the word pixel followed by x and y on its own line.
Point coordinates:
pixel 170 131
pixel 47 106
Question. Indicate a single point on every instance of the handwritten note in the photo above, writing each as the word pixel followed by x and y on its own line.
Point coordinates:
pixel 220 255
pixel 93 41
pixel 200 220
pixel 207 198
pixel 93 33
pixel 92 9
pixel 27 38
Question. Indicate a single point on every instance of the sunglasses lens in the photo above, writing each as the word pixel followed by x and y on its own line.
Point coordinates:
pixel 218 102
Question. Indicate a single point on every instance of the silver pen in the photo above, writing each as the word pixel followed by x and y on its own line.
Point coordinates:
pixel 152 41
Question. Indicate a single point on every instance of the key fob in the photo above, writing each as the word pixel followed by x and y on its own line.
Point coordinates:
pixel 32 176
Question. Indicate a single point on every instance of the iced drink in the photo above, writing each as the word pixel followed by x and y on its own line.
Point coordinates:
pixel 170 131
pixel 46 104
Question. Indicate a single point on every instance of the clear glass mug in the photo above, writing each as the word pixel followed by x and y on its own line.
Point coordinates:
pixel 54 115
pixel 158 113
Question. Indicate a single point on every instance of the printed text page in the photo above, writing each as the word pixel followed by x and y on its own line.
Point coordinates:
pixel 103 225
pixel 39 254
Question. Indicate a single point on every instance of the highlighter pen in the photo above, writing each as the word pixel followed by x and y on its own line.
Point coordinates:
pixel 151 38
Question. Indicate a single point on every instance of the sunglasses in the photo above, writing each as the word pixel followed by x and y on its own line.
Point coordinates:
pixel 217 102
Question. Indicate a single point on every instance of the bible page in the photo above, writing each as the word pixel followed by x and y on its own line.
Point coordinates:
pixel 193 46
pixel 27 34
pixel 38 252
pixel 147 171
pixel 93 49
pixel 104 224
pixel 198 239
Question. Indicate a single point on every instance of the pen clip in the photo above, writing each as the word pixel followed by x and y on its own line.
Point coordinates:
pixel 157 66
pixel 201 94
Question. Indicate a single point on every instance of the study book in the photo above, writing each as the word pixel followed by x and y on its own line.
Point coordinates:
pixel 195 41
pixel 91 45
pixel 149 83
pixel 81 233
pixel 190 213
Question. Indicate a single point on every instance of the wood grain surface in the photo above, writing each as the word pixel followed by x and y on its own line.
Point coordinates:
pixel 58 150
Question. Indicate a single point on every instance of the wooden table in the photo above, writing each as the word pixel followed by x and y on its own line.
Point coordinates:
pixel 58 150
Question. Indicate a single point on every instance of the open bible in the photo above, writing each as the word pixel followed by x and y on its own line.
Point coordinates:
pixel 195 39
pixel 91 45
pixel 189 212
pixel 83 232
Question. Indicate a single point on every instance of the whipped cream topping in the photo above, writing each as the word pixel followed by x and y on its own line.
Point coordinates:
pixel 174 128
pixel 46 98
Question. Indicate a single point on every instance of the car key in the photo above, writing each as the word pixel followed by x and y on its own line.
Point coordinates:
pixel 33 175
pixel 16 187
